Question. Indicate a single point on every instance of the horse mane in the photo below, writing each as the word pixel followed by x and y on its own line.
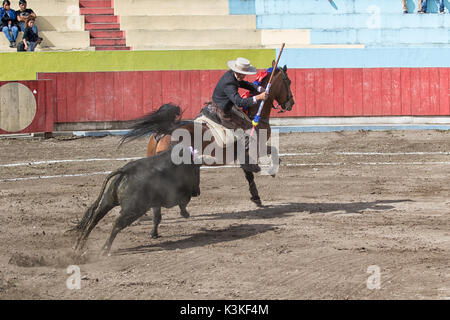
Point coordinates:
pixel 162 121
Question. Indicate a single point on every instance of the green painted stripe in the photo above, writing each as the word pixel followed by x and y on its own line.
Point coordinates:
pixel 24 66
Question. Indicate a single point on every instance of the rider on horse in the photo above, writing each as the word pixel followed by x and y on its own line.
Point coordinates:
pixel 227 102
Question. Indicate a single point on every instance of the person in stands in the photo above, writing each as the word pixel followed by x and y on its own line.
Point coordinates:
pixel 23 13
pixel 424 6
pixel 419 6
pixel 30 38
pixel 9 23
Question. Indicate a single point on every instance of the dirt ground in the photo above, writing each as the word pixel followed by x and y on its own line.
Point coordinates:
pixel 331 220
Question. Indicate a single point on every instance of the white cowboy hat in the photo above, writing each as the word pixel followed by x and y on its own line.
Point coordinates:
pixel 241 65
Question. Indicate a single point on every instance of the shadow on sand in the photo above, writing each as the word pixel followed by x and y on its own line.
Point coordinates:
pixel 203 238
pixel 241 231
pixel 279 211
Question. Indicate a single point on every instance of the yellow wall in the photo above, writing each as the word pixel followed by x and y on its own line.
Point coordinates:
pixel 25 65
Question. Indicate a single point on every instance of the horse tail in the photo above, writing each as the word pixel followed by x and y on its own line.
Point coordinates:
pixel 81 226
pixel 161 121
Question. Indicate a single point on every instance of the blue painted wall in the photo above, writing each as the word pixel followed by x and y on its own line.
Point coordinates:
pixel 366 58
pixel 260 7
pixel 242 6
pixel 357 20
pixel 368 22
pixel 391 38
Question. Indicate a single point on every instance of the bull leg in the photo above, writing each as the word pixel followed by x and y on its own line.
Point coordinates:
pixel 252 187
pixel 156 221
pixel 184 213
pixel 105 206
pixel 124 220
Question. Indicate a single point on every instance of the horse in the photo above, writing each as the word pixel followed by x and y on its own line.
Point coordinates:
pixel 162 123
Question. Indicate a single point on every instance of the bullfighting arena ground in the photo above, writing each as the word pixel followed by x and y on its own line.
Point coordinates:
pixel 343 206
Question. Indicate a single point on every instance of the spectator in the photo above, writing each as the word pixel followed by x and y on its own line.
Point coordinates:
pixel 419 6
pixel 9 23
pixel 30 38
pixel 424 6
pixel 23 13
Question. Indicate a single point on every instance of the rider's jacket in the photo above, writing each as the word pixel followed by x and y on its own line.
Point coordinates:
pixel 226 93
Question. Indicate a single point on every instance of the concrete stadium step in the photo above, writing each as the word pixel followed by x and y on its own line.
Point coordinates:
pixel 112 48
pixel 107 34
pixel 381 36
pixel 360 20
pixel 171 7
pixel 186 22
pixel 53 7
pixel 292 38
pixel 101 19
pixel 86 11
pixel 95 3
pixel 142 39
pixel 58 40
pixel 106 42
pixel 60 23
pixel 139 37
pixel 102 26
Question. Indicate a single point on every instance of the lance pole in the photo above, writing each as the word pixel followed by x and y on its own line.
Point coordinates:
pixel 255 121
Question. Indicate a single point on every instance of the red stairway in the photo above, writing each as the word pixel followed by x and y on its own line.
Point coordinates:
pixel 103 25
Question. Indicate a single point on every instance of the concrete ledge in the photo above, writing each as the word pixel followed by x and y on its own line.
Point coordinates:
pixel 60 23
pixel 58 40
pixel 52 7
pixel 66 39
pixel 185 22
pixel 143 39
pixel 288 129
pixel 360 121
pixel 284 129
pixel 292 38
pixel 284 125
pixel 367 58
pixel 171 7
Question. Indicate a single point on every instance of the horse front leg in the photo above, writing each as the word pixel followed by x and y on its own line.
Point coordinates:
pixel 252 187
pixel 275 160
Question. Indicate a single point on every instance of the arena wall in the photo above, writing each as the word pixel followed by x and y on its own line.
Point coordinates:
pixel 346 58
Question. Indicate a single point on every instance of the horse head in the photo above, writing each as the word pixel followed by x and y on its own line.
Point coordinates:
pixel 281 89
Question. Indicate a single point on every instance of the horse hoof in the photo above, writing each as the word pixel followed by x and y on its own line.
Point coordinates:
pixel 258 202
pixel 154 236
pixel 185 214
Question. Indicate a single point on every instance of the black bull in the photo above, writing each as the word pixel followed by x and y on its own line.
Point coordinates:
pixel 152 182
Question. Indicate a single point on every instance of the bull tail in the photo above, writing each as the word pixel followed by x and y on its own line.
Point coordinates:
pixel 81 226
pixel 161 121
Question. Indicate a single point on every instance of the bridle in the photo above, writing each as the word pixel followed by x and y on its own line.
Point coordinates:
pixel 290 96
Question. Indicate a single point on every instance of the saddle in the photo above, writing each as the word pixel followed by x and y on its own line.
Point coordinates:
pixel 222 125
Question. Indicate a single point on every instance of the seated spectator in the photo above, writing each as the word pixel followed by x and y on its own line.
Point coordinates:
pixel 9 23
pixel 23 13
pixel 424 6
pixel 405 7
pixel 30 38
